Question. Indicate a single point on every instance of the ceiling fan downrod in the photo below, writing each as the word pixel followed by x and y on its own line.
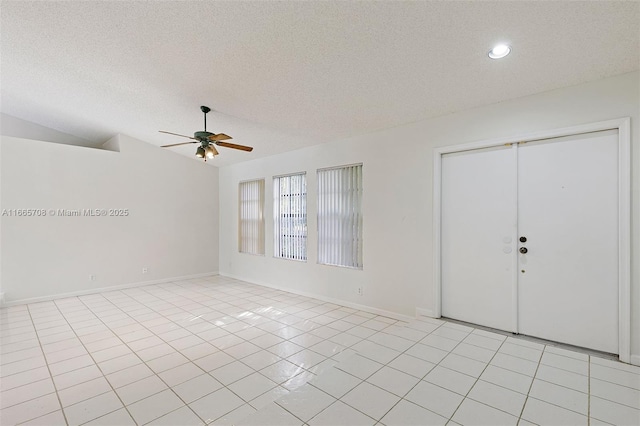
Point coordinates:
pixel 205 109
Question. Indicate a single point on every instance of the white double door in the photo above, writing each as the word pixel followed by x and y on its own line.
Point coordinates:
pixel 561 195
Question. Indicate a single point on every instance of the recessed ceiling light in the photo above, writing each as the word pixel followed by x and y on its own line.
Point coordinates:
pixel 499 51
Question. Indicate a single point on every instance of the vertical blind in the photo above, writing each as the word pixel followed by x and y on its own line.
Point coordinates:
pixel 290 216
pixel 340 216
pixel 251 217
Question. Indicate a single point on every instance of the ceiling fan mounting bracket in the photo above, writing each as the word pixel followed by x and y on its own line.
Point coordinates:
pixel 205 109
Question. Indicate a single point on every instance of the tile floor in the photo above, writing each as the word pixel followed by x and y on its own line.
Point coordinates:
pixel 221 351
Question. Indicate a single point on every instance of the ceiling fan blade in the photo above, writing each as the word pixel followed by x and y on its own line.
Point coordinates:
pixel 235 146
pixel 176 144
pixel 176 134
pixel 219 137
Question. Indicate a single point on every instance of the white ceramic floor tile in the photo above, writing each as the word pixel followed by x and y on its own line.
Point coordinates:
pixel 439 342
pixel 406 413
pixel 216 404
pixel 306 358
pixel 76 377
pixel 285 349
pixel 462 364
pixel 616 393
pixel 613 413
pixel 335 382
pixel 235 416
pixel 119 363
pixel 451 333
pixel 141 389
pixel 154 406
pixel 242 318
pixel 560 351
pixel 23 365
pixel 498 397
pixel 128 375
pixel 167 362
pixel 252 386
pixel 507 378
pixel 281 371
pixel 613 375
pixel 435 398
pixel 25 393
pixel 615 364
pixel 196 388
pixel 412 365
pixel 393 381
pixel 52 419
pixel 110 353
pixel 271 415
pixel 214 361
pixel 427 353
pixel 29 410
pixel 542 413
pixel 305 402
pixel 375 351
pixel 340 414
pixel 183 416
pixel 565 363
pixel 261 359
pixel 519 365
pixel 83 391
pixel 563 378
pixel 65 354
pixel 560 395
pixel 471 412
pixel 180 374
pixel 93 408
pixel 483 341
pixel 474 352
pixel 521 352
pixel 119 417
pixel 450 379
pixel 359 366
pixel 370 400
pixel 390 341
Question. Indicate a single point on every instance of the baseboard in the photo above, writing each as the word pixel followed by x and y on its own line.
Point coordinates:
pixel 101 289
pixel 425 313
pixel 634 359
pixel 345 303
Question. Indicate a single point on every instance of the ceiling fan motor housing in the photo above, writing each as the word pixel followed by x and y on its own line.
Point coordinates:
pixel 202 136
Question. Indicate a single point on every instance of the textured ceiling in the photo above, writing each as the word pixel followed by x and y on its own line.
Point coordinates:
pixel 283 75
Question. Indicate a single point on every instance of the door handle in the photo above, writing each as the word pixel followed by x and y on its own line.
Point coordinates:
pixel 523 250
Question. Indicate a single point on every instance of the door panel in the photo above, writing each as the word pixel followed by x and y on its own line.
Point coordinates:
pixel 568 211
pixel 478 229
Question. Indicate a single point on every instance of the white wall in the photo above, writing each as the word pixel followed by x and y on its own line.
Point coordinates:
pixel 397 170
pixel 172 227
pixel 19 128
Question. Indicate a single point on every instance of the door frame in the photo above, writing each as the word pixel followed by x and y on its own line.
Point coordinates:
pixel 622 125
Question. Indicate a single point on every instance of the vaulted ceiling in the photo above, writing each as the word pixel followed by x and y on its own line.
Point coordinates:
pixel 284 75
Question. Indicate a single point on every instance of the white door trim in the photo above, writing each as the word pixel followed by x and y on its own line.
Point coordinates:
pixel 624 211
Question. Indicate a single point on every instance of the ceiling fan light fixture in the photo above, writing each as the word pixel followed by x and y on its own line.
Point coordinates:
pixel 499 51
pixel 200 152
pixel 210 151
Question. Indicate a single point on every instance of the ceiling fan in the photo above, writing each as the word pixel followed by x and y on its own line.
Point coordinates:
pixel 207 140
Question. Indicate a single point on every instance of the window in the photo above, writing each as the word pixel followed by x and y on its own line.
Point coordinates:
pixel 251 217
pixel 340 216
pixel 290 216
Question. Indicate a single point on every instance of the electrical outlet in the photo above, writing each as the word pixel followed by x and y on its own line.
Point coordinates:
pixel 360 291
pixel 92 277
pixel 145 270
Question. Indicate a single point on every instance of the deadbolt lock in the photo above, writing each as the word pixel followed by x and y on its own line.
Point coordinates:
pixel 523 239
pixel 523 250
